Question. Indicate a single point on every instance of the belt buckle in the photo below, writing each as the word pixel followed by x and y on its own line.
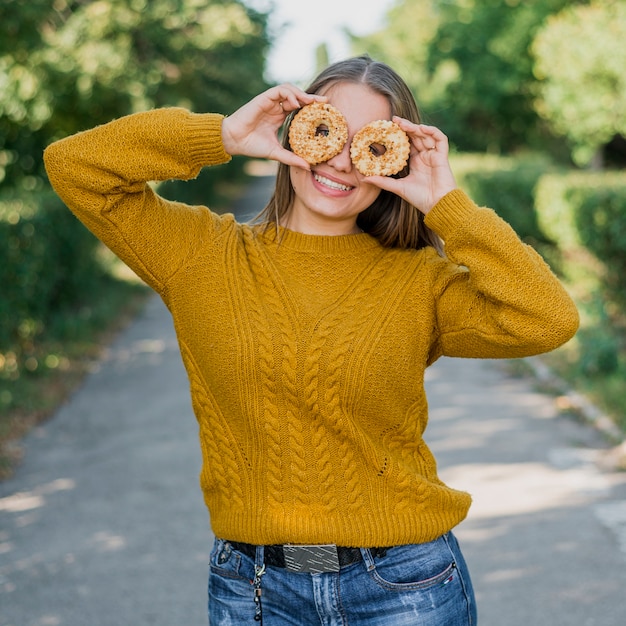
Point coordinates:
pixel 311 559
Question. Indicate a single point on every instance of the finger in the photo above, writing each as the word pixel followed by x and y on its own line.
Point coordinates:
pixel 291 98
pixel 383 182
pixel 422 136
pixel 287 157
pixel 434 139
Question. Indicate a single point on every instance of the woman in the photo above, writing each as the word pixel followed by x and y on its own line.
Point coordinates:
pixel 306 337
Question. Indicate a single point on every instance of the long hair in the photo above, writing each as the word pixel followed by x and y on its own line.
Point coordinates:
pixel 392 220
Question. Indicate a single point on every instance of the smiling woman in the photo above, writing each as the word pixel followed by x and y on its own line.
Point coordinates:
pixel 391 218
pixel 329 198
pixel 306 336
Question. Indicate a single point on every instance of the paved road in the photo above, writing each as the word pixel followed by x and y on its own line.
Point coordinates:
pixel 104 524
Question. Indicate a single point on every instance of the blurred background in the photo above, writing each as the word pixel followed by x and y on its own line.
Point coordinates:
pixel 532 95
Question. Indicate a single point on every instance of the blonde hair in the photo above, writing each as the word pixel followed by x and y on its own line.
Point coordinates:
pixel 392 220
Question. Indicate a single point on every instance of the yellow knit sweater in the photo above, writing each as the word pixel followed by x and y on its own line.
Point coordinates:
pixel 306 358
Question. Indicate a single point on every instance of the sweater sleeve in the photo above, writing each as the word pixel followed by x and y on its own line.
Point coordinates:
pixel 496 297
pixel 103 176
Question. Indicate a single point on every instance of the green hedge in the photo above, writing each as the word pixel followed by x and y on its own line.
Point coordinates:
pixel 572 209
pixel 48 263
pixel 588 210
pixel 585 214
pixel 505 184
pixel 577 219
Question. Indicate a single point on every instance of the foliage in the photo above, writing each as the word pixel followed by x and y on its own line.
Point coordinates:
pixel 586 210
pixel 469 64
pixel 58 298
pixel 65 66
pixel 404 43
pixel 555 215
pixel 584 214
pixel 48 264
pixel 507 185
pixel 580 59
pixel 594 362
pixel 72 64
pixel 38 376
pixel 601 222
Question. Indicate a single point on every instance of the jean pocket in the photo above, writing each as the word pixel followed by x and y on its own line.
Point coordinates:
pixel 415 567
pixel 224 561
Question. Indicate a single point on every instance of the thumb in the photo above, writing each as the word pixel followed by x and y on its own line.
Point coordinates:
pixel 282 155
pixel 383 182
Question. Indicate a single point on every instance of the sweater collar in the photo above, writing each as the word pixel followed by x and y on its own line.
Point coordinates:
pixel 337 244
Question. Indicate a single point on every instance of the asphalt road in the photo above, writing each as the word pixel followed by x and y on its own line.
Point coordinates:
pixel 103 523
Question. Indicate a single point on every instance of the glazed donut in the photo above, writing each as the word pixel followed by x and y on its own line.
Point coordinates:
pixel 318 132
pixel 380 149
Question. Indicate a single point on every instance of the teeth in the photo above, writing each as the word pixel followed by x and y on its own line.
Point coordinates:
pixel 330 183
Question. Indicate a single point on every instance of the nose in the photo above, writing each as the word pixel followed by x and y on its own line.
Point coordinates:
pixel 342 161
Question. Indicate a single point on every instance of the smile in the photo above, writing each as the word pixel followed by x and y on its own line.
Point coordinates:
pixel 331 184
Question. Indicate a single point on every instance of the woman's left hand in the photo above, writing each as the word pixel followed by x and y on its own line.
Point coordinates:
pixel 430 177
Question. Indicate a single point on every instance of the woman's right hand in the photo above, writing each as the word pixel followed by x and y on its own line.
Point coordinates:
pixel 252 130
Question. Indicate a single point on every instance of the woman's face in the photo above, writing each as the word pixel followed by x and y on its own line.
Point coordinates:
pixel 329 198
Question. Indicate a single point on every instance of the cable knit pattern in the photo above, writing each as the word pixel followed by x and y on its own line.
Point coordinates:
pixel 220 472
pixel 306 354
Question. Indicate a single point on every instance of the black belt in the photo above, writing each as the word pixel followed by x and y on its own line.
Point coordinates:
pixel 311 559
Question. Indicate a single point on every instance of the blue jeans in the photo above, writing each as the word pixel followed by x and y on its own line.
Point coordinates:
pixel 423 585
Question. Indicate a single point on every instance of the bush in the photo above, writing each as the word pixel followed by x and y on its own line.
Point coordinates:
pixel 505 184
pixel 49 262
pixel 588 210
pixel 600 214
pixel 60 297
pixel 583 214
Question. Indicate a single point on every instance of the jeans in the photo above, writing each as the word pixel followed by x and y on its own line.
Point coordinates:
pixel 422 584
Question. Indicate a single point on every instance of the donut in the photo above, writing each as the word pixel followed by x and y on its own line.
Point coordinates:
pixel 380 149
pixel 318 132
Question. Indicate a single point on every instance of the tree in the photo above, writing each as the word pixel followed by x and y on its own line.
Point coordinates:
pixel 71 64
pixel 580 58
pixel 469 64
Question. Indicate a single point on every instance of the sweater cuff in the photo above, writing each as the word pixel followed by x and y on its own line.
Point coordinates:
pixel 454 209
pixel 204 138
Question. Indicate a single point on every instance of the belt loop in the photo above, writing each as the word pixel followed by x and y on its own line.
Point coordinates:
pixel 259 570
pixel 368 559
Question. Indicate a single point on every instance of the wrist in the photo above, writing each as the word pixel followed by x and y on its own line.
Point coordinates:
pixel 228 143
pixel 451 210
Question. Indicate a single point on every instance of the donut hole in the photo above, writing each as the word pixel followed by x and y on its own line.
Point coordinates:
pixel 322 130
pixel 377 149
